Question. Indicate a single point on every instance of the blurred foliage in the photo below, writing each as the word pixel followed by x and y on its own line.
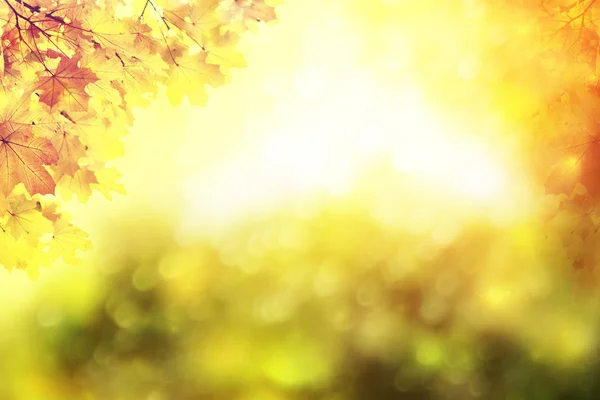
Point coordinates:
pixel 324 302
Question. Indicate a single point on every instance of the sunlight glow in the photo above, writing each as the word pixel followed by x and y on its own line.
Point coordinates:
pixel 462 167
pixel 316 118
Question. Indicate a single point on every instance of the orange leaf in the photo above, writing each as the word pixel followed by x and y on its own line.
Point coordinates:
pixel 70 150
pixel 69 81
pixel 22 159
pixel 590 169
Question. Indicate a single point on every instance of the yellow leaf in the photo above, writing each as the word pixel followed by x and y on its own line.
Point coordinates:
pixel 23 218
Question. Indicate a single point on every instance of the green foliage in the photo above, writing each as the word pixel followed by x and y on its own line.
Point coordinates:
pixel 335 305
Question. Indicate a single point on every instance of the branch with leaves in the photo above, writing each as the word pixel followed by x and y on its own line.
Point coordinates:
pixel 569 129
pixel 70 73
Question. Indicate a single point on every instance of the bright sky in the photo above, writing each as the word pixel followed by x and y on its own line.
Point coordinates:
pixel 309 115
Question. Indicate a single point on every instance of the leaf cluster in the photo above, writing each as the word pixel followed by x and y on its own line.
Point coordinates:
pixel 70 73
pixel 567 128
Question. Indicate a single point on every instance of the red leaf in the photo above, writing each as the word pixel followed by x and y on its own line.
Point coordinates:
pixel 68 81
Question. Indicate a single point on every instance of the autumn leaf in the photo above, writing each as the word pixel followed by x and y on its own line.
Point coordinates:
pixel 590 169
pixel 108 182
pixel 70 150
pixel 190 76
pixel 68 80
pixel 194 20
pixel 68 241
pixel 23 218
pixel 71 72
pixel 22 159
pixel 79 184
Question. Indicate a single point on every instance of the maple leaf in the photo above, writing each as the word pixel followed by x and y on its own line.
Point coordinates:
pixel 49 206
pixel 590 169
pixel 190 75
pixel 23 217
pixel 67 79
pixel 107 182
pixel 68 240
pixel 226 57
pixel 142 37
pixel 101 137
pixel 135 81
pixel 22 159
pixel 80 184
pixel 11 54
pixel 70 150
pixel 71 72
pixel 194 19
